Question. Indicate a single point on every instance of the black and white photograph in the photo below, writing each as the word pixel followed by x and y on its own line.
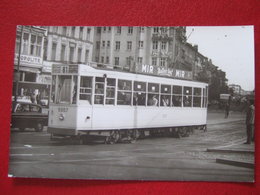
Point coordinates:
pixel 160 103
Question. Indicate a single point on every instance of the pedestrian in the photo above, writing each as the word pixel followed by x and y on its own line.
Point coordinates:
pixel 227 106
pixel 33 98
pixel 250 121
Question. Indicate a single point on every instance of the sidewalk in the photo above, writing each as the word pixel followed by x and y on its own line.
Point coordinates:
pixel 236 154
pixel 217 117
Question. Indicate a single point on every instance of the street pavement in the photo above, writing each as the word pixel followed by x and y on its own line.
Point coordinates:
pixel 32 154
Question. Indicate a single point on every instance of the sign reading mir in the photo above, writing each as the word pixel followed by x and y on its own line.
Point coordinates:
pixel 175 73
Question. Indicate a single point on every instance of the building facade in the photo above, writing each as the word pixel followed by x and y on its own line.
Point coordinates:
pixel 28 77
pixel 142 49
pixel 68 44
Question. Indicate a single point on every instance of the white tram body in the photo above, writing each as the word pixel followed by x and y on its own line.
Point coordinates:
pixel 91 100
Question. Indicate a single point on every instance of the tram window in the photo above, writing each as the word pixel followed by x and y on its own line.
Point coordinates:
pixel 153 94
pixel 53 85
pixel 110 91
pixel 176 96
pixel 64 89
pixel 99 90
pixel 75 89
pixel 85 89
pixel 197 97
pixel 165 97
pixel 139 97
pixel 187 96
pixel 152 87
pixel 124 94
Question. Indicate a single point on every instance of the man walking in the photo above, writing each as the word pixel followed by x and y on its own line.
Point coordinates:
pixel 250 121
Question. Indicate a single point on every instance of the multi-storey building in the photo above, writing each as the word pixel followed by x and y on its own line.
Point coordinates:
pixel 68 44
pixel 145 49
pixel 28 70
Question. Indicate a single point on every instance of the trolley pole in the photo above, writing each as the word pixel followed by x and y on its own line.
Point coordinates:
pixel 18 67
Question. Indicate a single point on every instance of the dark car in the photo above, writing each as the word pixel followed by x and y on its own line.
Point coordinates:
pixel 28 115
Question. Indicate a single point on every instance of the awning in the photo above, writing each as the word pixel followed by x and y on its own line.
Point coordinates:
pixel 32 85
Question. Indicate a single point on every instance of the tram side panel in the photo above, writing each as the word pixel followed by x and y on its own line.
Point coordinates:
pixel 113 117
pixel 62 120
pixel 107 118
pixel 170 117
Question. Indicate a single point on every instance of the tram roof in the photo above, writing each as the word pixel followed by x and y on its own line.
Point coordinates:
pixel 84 69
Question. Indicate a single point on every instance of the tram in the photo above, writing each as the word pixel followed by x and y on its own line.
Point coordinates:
pixel 88 101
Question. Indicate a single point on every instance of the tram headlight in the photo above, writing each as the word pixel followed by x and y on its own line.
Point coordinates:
pixel 61 117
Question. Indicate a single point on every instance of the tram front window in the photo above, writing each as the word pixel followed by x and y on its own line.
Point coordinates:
pixel 64 89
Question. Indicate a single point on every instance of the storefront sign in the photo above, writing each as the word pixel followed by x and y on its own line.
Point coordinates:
pixel 168 72
pixel 29 59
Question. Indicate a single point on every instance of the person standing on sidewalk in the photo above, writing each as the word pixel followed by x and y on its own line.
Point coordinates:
pixel 226 110
pixel 250 121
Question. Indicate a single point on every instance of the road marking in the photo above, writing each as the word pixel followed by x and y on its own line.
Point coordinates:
pixel 32 154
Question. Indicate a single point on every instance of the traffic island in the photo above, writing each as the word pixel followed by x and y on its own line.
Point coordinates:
pixel 250 165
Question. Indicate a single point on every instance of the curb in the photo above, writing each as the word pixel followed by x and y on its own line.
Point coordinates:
pixel 230 150
pixel 236 163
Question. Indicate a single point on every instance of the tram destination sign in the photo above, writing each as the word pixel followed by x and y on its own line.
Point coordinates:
pixel 168 72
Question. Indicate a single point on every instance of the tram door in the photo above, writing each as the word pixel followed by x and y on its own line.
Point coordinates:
pixel 84 108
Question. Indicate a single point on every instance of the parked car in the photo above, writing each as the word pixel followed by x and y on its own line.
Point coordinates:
pixel 28 115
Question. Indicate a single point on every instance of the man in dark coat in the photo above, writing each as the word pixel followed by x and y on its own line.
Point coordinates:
pixel 250 121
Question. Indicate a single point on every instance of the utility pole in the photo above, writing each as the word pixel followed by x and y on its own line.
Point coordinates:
pixel 18 67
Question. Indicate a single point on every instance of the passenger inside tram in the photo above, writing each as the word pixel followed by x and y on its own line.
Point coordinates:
pixel 152 100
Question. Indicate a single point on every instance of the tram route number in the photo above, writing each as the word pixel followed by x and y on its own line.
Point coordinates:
pixel 63 109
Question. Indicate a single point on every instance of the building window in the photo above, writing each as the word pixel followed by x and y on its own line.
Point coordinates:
pixel 88 33
pixel 156 29
pixel 81 32
pixel 140 60
pixel 109 28
pixel 79 54
pixel 98 30
pixel 104 29
pixel 17 43
pixel 97 59
pixel 107 61
pixel 102 59
pixel 53 51
pixel 128 61
pixel 33 45
pixel 38 46
pixel 98 44
pixel 72 49
pixel 154 61
pixel 163 62
pixel 55 29
pixel 141 44
pixel 73 31
pixel 25 43
pixel 141 29
pixel 130 30
pixel 163 46
pixel 45 46
pixel 64 30
pixel 117 61
pixel 129 45
pixel 163 30
pixel 117 45
pixel 108 44
pixel 86 55
pixel 103 43
pixel 63 50
pixel 118 30
pixel 155 45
